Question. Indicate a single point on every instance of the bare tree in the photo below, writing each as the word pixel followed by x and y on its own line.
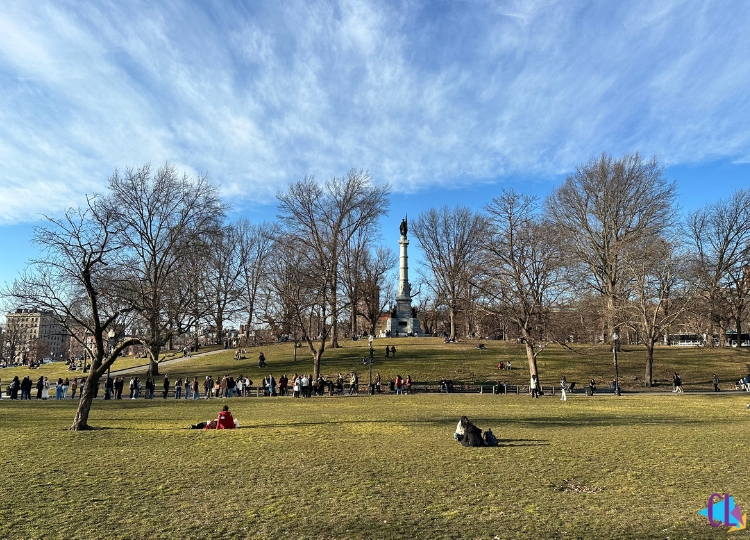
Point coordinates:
pixel 720 238
pixel 223 284
pixel 73 279
pixel 522 270
pixel 256 242
pixel 363 269
pixel 375 292
pixel 302 298
pixel 11 341
pixel 605 206
pixel 321 220
pixel 451 240
pixel 187 302
pixel 660 296
pixel 160 216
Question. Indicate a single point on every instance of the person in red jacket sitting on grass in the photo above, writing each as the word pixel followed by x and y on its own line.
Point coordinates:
pixel 223 421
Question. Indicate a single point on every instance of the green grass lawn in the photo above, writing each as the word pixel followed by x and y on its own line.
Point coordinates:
pixel 638 466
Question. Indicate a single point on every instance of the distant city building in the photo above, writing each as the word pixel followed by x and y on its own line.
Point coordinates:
pixel 33 335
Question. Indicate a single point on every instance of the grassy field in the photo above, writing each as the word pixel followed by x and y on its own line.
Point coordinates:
pixel 429 359
pixel 638 466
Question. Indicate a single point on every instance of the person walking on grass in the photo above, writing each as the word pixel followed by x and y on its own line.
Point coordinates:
pixel 715 380
pixel 677 381
pixel 563 389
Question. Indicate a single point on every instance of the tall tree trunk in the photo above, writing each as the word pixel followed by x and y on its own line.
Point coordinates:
pixel 153 360
pixel 247 326
pixel 531 357
pixel 610 318
pixel 220 328
pixel 452 318
pixel 354 311
pixel 649 380
pixel 738 325
pixel 80 422
pixel 316 365
pixel 334 316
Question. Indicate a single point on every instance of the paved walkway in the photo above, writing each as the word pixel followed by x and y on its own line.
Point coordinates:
pixel 135 370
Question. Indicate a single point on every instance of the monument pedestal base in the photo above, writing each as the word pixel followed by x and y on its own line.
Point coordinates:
pixel 401 326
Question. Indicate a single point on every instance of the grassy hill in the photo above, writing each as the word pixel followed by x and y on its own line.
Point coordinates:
pixel 429 359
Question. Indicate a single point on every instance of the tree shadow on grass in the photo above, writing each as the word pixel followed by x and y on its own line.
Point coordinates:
pixel 601 420
pixel 511 443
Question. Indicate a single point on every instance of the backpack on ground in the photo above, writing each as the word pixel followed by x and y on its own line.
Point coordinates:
pixel 490 439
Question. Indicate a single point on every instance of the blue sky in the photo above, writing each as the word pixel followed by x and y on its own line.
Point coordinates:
pixel 446 101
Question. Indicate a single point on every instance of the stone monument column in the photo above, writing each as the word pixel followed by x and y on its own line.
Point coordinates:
pixel 403 300
pixel 402 322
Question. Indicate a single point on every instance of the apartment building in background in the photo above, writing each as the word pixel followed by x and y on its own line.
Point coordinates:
pixel 32 335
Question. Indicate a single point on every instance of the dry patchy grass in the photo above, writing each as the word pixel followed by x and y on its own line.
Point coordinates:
pixel 374 467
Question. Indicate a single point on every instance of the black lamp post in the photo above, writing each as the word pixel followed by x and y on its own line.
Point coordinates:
pixel 615 346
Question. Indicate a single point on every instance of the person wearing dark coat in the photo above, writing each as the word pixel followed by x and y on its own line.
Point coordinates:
pixel 39 387
pixel 26 384
pixel 472 436
pixel 15 385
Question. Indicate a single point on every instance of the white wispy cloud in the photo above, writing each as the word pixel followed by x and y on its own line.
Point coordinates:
pixel 422 94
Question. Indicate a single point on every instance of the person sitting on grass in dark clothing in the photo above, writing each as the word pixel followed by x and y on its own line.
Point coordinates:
pixel 472 434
